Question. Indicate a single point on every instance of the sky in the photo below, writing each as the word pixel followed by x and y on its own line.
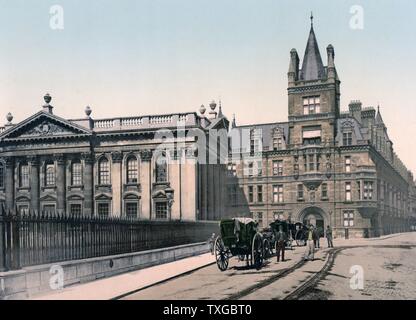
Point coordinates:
pixel 139 57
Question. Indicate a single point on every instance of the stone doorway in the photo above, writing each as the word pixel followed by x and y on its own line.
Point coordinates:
pixel 316 217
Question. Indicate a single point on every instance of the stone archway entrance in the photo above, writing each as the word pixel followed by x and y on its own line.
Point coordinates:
pixel 315 216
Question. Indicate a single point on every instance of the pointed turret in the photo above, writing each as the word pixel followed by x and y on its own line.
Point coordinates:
pixel 312 66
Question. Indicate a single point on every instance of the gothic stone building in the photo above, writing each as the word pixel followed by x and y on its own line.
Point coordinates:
pixel 323 165
pixel 110 167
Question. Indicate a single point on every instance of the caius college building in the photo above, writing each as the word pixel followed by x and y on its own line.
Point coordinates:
pixel 332 167
pixel 323 165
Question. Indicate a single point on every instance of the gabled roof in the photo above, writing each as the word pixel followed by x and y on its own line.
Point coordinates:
pixel 27 128
pixel 312 66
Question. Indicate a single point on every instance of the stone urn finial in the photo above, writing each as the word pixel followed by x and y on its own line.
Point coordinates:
pixel 88 111
pixel 9 118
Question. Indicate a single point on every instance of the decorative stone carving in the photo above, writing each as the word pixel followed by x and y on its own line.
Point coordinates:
pixel 88 157
pixel 146 155
pixel 46 128
pixel 117 157
pixel 60 158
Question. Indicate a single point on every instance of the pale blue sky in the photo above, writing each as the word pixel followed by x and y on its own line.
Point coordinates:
pixel 137 57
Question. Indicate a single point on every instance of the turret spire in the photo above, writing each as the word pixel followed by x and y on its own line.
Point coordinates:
pixel 312 66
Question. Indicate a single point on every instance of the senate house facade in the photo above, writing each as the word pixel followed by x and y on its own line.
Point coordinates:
pixel 324 165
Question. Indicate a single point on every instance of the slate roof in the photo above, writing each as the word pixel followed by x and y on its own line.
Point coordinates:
pixel 312 66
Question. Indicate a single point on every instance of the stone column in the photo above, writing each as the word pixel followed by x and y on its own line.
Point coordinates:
pixel 34 184
pixel 116 183
pixel 9 183
pixel 88 182
pixel 60 183
pixel 146 184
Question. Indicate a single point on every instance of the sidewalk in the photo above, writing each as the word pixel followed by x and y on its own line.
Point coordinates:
pixel 110 288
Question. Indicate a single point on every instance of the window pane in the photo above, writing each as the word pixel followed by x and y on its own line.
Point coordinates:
pixel 161 210
pixel 76 209
pixel 24 175
pixel 161 169
pixel 132 170
pixel 76 174
pixel 104 173
pixel 103 209
pixel 131 209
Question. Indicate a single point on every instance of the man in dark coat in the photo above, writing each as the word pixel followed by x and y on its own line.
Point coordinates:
pixel 328 234
pixel 281 238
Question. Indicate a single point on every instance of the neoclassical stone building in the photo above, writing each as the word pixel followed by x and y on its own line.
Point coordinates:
pixel 143 167
pixel 330 166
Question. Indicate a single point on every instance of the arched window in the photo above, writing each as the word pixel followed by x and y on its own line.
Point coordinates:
pixel 76 173
pixel 132 170
pixel 49 174
pixel 104 171
pixel 161 168
pixel 1 175
pixel 24 175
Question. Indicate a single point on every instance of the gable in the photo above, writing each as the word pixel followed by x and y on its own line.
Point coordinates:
pixel 44 125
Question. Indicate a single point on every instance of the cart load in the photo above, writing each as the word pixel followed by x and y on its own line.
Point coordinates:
pixel 239 237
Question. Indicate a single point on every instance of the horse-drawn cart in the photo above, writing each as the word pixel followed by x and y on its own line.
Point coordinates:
pixel 239 237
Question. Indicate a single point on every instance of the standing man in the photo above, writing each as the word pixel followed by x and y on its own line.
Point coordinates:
pixel 310 244
pixel 281 243
pixel 328 235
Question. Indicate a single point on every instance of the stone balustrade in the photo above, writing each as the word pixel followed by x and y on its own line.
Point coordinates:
pixel 145 122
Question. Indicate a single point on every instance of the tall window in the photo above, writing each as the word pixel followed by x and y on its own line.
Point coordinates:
pixel 132 170
pixel 311 105
pixel 348 218
pixel 75 209
pixel 24 175
pixel 347 138
pixel 278 194
pixel 278 168
pixel 250 169
pixel 368 190
pixel 104 171
pixel 348 164
pixel 103 209
pixel 131 209
pixel 260 194
pixel 277 143
pixel 161 210
pixel 359 189
pixel 250 194
pixel 324 191
pixel 259 218
pixel 161 169
pixel 311 160
pixel 76 173
pixel 49 174
pixel 1 175
pixel 348 191
pixel 300 191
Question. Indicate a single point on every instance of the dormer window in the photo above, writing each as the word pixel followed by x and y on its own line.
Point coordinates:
pixel 311 105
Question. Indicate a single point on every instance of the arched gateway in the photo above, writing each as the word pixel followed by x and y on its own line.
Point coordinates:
pixel 316 216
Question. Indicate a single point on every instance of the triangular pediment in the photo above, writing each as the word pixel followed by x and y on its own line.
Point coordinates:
pixel 44 125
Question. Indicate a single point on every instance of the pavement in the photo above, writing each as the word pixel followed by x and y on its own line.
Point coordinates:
pixel 116 286
pixel 149 281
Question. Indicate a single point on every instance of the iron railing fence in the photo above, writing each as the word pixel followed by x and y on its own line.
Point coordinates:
pixel 33 239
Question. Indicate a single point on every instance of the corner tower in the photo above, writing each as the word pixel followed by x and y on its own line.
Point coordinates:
pixel 314 95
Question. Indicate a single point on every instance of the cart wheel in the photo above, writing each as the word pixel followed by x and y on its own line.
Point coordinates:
pixel 257 251
pixel 266 249
pixel 221 255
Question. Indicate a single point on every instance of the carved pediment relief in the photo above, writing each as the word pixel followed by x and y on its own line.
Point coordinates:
pixel 44 125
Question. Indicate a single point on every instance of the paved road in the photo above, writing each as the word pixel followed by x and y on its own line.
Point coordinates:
pixel 388 266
